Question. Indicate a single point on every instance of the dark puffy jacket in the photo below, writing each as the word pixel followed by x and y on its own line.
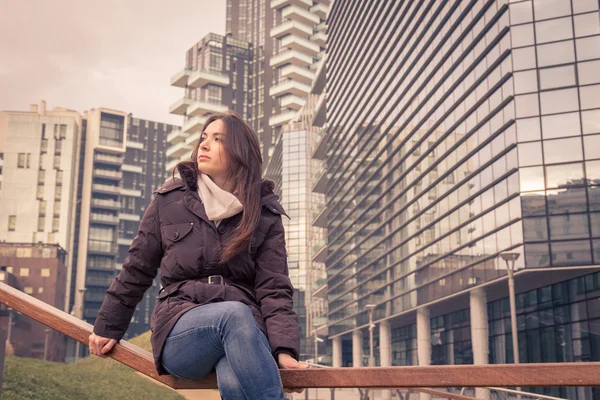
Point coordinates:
pixel 176 237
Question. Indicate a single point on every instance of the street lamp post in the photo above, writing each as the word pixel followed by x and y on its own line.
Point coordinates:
pixel 47 331
pixel 512 257
pixel 371 307
pixel 79 308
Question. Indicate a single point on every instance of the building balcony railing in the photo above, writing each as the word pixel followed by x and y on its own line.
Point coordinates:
pixel 420 379
pixel 131 192
pixel 279 4
pixel 319 38
pixel 136 169
pixel 192 140
pixel 292 102
pixel 281 118
pixel 296 73
pixel 201 108
pixel 320 216
pixel 98 187
pixel 108 159
pixel 170 165
pixel 194 125
pixel 319 251
pixel 290 57
pixel 106 248
pixel 176 136
pixel 177 150
pixel 318 84
pixel 104 219
pixel 301 45
pixel 320 111
pixel 291 28
pixel 180 79
pixel 102 173
pixel 287 87
pixel 295 13
pixel 321 10
pixel 180 106
pixel 204 77
pixel 106 204
pixel 320 180
pixel 320 150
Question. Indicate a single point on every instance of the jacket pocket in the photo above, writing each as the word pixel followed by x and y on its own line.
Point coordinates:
pixel 175 232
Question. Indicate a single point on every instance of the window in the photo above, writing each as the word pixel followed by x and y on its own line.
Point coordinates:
pixel 45 272
pixel 40 192
pixel 55 224
pixel 42 210
pixel 56 162
pixel 24 272
pixel 21 160
pixel 28 290
pixel 40 290
pixel 59 177
pixel 12 222
pixel 41 223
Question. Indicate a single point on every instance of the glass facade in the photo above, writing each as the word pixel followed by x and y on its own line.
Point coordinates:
pixel 457 131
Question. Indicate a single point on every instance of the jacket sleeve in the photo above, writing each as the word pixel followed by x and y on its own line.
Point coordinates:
pixel 136 276
pixel 274 292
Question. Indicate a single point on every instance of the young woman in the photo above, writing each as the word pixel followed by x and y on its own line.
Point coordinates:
pixel 216 234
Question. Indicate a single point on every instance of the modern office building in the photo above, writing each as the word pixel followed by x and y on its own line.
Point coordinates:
pixel 216 78
pixel 39 152
pixel 463 140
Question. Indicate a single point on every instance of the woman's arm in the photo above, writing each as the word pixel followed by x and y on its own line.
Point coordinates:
pixel 274 292
pixel 139 270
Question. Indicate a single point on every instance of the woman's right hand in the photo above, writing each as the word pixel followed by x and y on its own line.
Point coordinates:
pixel 99 345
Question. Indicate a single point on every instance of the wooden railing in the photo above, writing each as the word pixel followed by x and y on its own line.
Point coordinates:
pixel 417 378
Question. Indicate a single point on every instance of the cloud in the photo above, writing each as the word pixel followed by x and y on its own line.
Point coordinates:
pixel 87 54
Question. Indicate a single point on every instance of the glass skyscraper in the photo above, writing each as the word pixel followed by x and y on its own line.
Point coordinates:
pixel 456 132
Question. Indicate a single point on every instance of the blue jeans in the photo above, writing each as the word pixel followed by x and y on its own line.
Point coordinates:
pixel 224 336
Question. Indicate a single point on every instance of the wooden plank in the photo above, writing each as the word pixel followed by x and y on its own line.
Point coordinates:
pixel 435 376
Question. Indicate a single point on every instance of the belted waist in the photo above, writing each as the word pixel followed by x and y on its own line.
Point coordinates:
pixel 173 287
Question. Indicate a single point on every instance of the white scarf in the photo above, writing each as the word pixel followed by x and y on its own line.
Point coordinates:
pixel 218 203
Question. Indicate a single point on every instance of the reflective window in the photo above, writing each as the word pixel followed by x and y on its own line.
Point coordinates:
pixel 590 121
pixel 530 154
pixel 535 229
pixel 522 35
pixel 537 255
pixel 592 170
pixel 591 145
pixel 561 125
pixel 556 101
pixel 525 82
pixel 531 178
pixel 574 252
pixel 588 48
pixel 563 150
pixel 565 201
pixel 595 222
pixel 533 203
pixel 557 77
pixel 568 226
pixel 586 25
pixel 580 6
pixel 590 96
pixel 556 53
pixel 529 129
pixel 589 72
pixel 527 105
pixel 520 13
pixel 523 58
pixel 553 30
pixel 545 9
pixel 594 197
pixel 564 175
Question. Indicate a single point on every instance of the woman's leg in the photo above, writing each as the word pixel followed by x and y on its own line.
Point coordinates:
pixel 205 334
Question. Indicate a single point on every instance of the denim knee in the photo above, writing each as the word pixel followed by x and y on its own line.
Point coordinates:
pixel 239 312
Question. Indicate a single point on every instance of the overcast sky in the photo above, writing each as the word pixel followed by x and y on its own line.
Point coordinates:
pixel 83 54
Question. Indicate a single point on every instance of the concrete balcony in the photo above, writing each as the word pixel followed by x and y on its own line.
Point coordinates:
pixel 177 150
pixel 320 251
pixel 134 145
pixel 281 118
pixel 320 181
pixel 320 216
pixel 321 10
pixel 136 169
pixel 319 114
pixel 298 74
pixel 303 46
pixel 106 204
pixel 203 77
pixel 288 87
pixel 295 13
pixel 201 108
pixel 131 192
pixel 104 219
pixel 291 28
pixel 318 84
pixel 113 175
pixel 319 38
pixel 176 136
pixel 291 57
pixel 180 79
pixel 194 125
pixel 180 106
pixel 171 164
pixel 320 150
pixel 108 189
pixel 292 102
pixel 192 140
pixel 279 4
pixel 108 159
pixel 105 248
pixel 129 217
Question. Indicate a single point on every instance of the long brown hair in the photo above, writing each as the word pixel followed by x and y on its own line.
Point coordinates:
pixel 245 170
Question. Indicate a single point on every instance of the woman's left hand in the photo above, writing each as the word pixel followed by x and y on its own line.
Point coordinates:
pixel 288 362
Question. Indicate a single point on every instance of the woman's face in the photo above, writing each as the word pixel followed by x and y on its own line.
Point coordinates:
pixel 212 156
